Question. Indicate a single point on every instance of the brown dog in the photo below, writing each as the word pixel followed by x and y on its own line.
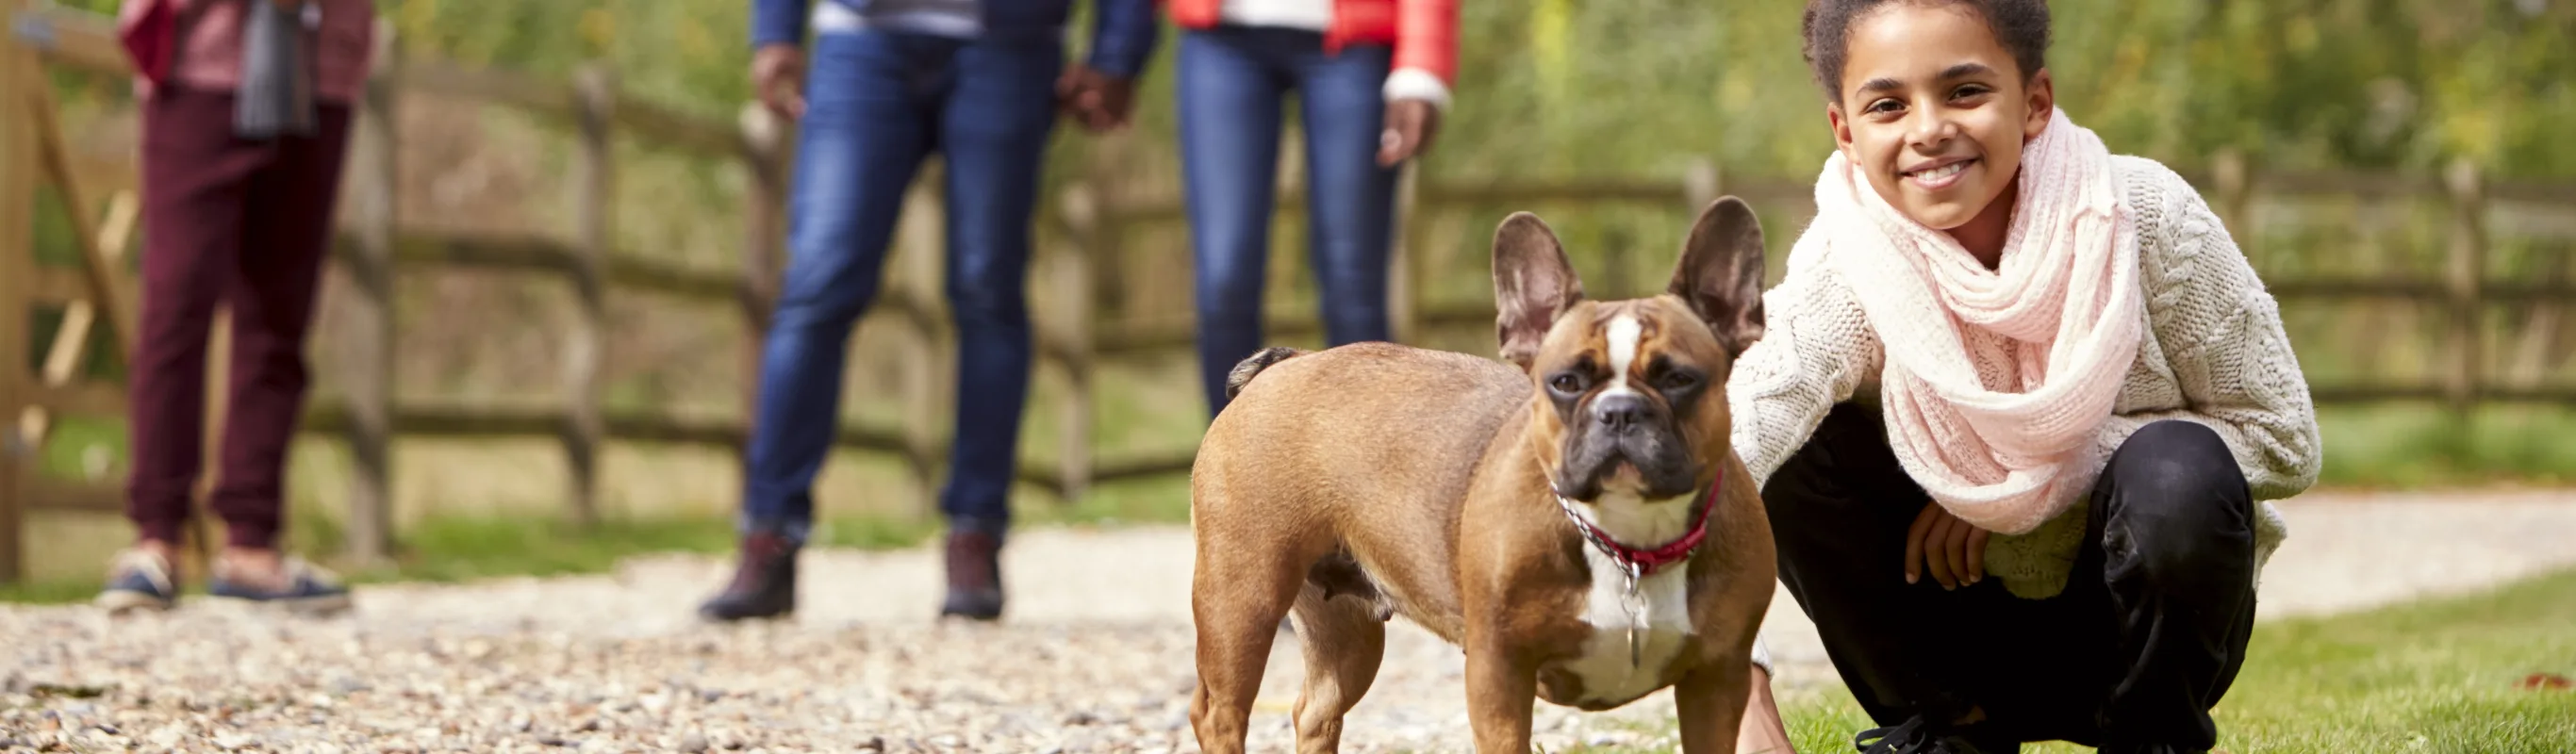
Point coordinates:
pixel 1579 524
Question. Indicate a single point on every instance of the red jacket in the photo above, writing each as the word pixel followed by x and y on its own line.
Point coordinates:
pixel 1424 33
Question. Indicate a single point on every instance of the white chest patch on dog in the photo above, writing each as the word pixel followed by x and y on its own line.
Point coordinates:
pixel 1662 620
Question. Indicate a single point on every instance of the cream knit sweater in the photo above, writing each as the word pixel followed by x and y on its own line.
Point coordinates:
pixel 2213 353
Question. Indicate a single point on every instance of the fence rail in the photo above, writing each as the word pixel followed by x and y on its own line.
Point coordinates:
pixel 1095 217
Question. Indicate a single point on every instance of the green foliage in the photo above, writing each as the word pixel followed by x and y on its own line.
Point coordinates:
pixel 1623 86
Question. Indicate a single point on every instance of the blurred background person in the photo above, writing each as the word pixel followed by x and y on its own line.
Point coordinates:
pixel 980 82
pixel 245 112
pixel 1371 79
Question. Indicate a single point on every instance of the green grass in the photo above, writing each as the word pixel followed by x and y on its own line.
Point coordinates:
pixel 49 592
pixel 2435 676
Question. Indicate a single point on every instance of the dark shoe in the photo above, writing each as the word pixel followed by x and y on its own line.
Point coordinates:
pixel 1914 736
pixel 764 585
pixel 974 576
pixel 138 581
pixel 307 588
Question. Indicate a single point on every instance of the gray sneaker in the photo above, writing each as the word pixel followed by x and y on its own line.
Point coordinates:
pixel 308 589
pixel 138 580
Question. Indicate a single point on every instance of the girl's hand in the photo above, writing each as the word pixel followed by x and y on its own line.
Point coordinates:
pixel 1954 550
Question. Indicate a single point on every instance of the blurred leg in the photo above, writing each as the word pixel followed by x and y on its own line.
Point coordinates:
pixel 1229 102
pixel 196 187
pixel 287 236
pixel 865 131
pixel 1352 198
pixel 994 137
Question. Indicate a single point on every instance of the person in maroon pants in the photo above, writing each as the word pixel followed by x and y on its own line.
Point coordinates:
pixel 245 115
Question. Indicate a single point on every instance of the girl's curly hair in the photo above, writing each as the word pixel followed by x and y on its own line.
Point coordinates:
pixel 2021 25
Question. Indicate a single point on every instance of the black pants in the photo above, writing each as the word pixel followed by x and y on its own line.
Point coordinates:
pixel 2146 637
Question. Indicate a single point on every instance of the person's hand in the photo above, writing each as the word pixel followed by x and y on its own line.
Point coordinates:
pixel 778 77
pixel 1953 550
pixel 1411 124
pixel 1099 101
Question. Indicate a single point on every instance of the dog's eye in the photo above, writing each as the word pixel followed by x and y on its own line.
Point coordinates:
pixel 1566 382
pixel 1677 379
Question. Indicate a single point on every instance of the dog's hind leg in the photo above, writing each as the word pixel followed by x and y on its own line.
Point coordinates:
pixel 1237 596
pixel 1343 639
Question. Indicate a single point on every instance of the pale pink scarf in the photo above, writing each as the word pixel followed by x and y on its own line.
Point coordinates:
pixel 1997 381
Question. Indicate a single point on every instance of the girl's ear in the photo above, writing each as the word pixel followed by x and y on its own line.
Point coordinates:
pixel 2042 97
pixel 1842 129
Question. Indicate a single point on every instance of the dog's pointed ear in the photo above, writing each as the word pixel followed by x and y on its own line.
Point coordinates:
pixel 1720 275
pixel 1533 283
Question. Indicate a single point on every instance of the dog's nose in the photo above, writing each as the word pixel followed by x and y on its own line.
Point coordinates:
pixel 1619 413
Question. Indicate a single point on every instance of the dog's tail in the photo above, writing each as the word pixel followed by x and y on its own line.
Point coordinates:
pixel 1251 367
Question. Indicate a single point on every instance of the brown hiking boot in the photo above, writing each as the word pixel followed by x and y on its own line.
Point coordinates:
pixel 764 585
pixel 974 576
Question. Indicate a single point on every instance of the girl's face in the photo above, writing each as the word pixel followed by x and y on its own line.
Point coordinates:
pixel 1934 111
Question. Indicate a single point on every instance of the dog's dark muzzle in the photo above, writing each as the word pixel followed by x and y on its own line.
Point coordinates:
pixel 1625 430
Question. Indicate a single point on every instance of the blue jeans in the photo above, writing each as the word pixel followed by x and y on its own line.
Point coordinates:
pixel 1232 82
pixel 877 103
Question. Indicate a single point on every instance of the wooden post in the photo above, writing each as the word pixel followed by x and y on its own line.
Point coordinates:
pixel 1404 278
pixel 2541 324
pixel 927 369
pixel 62 362
pixel 2228 170
pixel 1074 279
pixel 1700 185
pixel 1111 290
pixel 368 332
pixel 764 210
pixel 17 265
pixel 1700 188
pixel 586 340
pixel 198 556
pixel 1106 247
pixel 2467 269
pixel 1618 273
pixel 71 338
pixel 98 265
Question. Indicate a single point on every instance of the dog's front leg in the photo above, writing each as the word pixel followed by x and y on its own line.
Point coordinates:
pixel 1710 702
pixel 1501 688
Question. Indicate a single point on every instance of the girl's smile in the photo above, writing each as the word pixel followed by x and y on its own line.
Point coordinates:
pixel 1935 175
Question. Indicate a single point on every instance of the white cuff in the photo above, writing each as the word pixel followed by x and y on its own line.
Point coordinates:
pixel 1415 83
pixel 1762 655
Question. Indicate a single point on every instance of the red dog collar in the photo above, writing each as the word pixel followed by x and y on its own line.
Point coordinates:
pixel 1642 562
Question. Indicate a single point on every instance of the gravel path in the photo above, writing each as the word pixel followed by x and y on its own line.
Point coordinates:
pixel 1095 655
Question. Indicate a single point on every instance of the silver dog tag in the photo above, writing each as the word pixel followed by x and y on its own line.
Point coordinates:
pixel 1636 608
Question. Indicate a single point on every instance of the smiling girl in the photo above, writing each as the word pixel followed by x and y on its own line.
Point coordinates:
pixel 2038 373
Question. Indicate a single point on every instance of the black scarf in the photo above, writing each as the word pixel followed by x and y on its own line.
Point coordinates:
pixel 275 97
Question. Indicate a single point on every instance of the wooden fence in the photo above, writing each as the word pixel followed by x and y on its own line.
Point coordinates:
pixel 1093 217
